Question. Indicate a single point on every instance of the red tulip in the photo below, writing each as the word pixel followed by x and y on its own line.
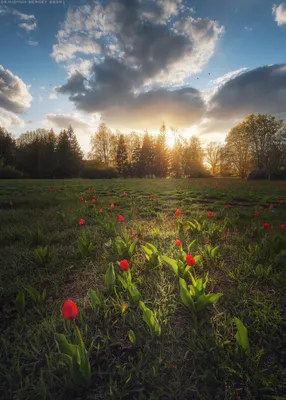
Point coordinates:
pixel 178 213
pixel 49 189
pixel 190 260
pixel 210 214
pixel 100 210
pixel 81 221
pixel 124 265
pixel 94 197
pixel 120 218
pixel 283 226
pixel 178 243
pixel 266 225
pixel 225 206
pixel 256 214
pixel 112 205
pixel 93 201
pixel 81 198
pixel 271 206
pixel 69 310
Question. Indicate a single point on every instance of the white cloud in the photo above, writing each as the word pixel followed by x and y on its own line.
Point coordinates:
pixel 26 21
pixel 41 98
pixel 248 28
pixel 14 93
pixel 64 120
pixel 42 87
pixel 8 119
pixel 280 13
pixel 53 96
pixel 32 43
pixel 170 52
pixel 226 77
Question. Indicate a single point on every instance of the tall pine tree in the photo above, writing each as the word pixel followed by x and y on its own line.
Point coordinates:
pixel 162 153
pixel 122 157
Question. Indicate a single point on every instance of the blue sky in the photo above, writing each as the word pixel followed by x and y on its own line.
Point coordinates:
pixel 208 43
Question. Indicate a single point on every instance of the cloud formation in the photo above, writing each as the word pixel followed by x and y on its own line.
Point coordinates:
pixel 262 90
pixel 14 94
pixel 64 120
pixel 177 108
pixel 25 21
pixel 279 13
pixel 7 119
pixel 137 48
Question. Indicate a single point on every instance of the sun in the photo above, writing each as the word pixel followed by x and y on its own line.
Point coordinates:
pixel 170 139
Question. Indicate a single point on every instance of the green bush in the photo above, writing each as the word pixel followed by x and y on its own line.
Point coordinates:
pixel 90 172
pixel 9 172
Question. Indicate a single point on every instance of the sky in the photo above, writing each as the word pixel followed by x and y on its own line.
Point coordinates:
pixel 200 66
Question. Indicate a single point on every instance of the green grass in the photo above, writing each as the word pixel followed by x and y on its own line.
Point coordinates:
pixel 193 358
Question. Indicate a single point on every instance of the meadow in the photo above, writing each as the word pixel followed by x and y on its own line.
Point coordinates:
pixel 160 325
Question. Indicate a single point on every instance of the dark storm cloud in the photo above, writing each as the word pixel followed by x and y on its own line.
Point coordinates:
pixel 262 90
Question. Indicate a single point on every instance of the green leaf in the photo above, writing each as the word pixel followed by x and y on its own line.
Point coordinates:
pixel 132 337
pixel 20 302
pixel 110 277
pixel 132 247
pixel 242 335
pixel 191 245
pixel 33 293
pixel 64 346
pixel 123 282
pixel 185 296
pixel 134 293
pixel 149 318
pixel 95 301
pixel 172 263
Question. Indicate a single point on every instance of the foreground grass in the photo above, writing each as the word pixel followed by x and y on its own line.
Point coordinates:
pixel 191 359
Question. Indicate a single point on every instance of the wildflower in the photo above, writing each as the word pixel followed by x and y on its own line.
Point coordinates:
pixel 178 243
pixel 94 197
pixel 124 265
pixel 178 213
pixel 190 260
pixel 94 191
pixel 93 201
pixel 124 308
pixel 65 186
pixel 256 214
pixel 260 208
pixel 210 214
pixel 112 205
pixel 81 198
pixel 49 189
pixel 69 310
pixel 100 210
pixel 225 206
pixel 81 221
pixel 271 206
pixel 120 218
pixel 283 226
pixel 266 225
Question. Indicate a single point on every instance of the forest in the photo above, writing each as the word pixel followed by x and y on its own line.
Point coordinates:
pixel 255 149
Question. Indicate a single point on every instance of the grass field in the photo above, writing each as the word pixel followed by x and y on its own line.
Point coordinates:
pixel 186 353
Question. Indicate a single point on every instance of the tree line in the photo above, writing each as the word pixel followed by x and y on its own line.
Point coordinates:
pixel 254 148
